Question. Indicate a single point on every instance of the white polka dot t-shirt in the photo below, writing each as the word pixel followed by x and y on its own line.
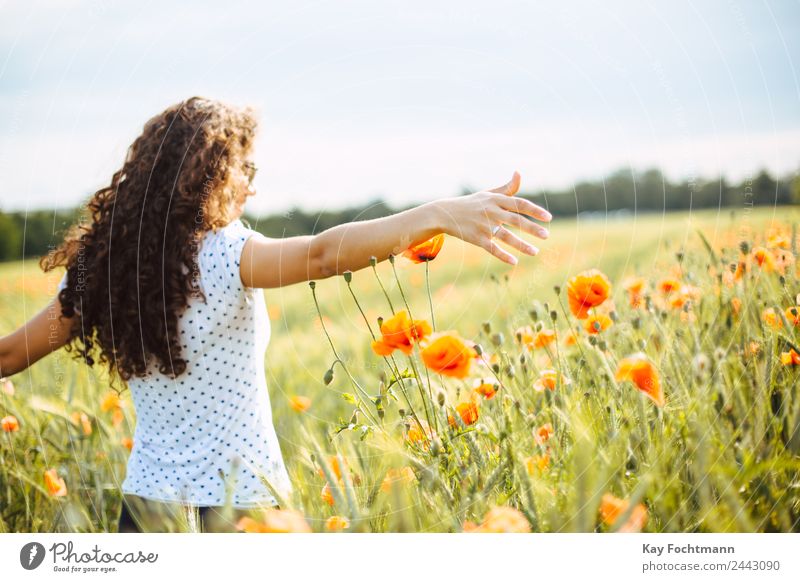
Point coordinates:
pixel 212 425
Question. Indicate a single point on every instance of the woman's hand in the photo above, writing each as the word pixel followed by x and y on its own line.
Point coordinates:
pixel 472 218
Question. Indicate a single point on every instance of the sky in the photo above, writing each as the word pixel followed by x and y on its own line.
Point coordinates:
pixel 406 101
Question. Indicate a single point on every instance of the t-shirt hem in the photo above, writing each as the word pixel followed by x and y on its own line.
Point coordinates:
pixel 240 505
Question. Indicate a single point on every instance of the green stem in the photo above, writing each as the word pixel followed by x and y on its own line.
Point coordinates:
pixel 338 359
pixel 385 294
pixel 430 301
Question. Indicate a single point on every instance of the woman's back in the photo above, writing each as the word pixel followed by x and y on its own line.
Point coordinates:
pixel 193 430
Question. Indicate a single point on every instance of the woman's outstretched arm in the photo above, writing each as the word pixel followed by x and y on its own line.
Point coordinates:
pixel 348 247
pixel 45 332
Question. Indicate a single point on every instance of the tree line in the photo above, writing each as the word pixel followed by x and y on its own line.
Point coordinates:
pixel 33 234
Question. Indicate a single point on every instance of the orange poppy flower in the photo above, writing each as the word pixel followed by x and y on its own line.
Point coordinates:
pixel 111 401
pixel 333 464
pixel 777 240
pixel 81 419
pixel 597 323
pixel 790 358
pixel 336 523
pixel 764 258
pixel 571 339
pixel 793 315
pixel 525 335
pixel 669 285
pixel 419 434
pixel 549 379
pixel 543 338
pixel 9 423
pixel 127 442
pixel 399 333
pixel 542 434
pixel 326 495
pixel 468 411
pixel 486 389
pixel 634 285
pixel 300 403
pixel 686 293
pixel 611 508
pixel 586 290
pixel 402 476
pixel 537 463
pixel 639 370
pixel 500 520
pixel 55 485
pixel 447 354
pixel 771 318
pixel 275 521
pixel 736 303
pixel 425 251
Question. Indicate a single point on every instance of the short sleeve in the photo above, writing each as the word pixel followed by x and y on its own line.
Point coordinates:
pixel 225 255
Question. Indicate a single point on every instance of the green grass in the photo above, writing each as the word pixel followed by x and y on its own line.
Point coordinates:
pixel 722 455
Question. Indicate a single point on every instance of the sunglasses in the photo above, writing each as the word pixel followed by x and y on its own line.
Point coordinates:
pixel 250 170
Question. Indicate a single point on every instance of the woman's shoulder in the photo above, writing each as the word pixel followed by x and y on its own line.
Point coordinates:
pixel 221 251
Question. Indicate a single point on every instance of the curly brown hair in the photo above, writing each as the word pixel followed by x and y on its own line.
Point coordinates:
pixel 132 267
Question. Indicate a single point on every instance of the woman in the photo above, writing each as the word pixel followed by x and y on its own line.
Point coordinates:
pixel 161 286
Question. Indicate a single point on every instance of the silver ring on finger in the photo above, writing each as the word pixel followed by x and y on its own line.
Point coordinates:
pixel 495 229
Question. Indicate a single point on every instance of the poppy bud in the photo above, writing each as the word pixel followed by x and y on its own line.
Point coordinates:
pixel 441 397
pixel 613 316
pixel 312 284
pixel 602 345
pixel 496 368
pixel 380 321
pixel 401 412
pixel 510 371
pixel 642 344
pixel 553 315
pixel 744 246
pixel 557 289
pixel 593 340
pixel 546 306
pixel 534 314
pixel 487 327
pixel 391 258
pixel 478 349
pixel 782 280
pixel 497 339
pixel 379 407
pixel 436 447
pixel 373 261
pixel 328 377
pixel 348 276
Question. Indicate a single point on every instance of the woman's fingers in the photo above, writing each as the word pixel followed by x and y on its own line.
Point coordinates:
pixel 510 238
pixel 524 224
pixel 488 244
pixel 509 189
pixel 523 206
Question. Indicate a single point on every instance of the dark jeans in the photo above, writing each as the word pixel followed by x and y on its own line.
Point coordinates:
pixel 140 515
pixel 128 524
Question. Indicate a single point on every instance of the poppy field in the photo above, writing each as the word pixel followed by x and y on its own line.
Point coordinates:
pixel 639 374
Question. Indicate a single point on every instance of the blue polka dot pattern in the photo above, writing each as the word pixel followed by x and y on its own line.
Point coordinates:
pixel 210 430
